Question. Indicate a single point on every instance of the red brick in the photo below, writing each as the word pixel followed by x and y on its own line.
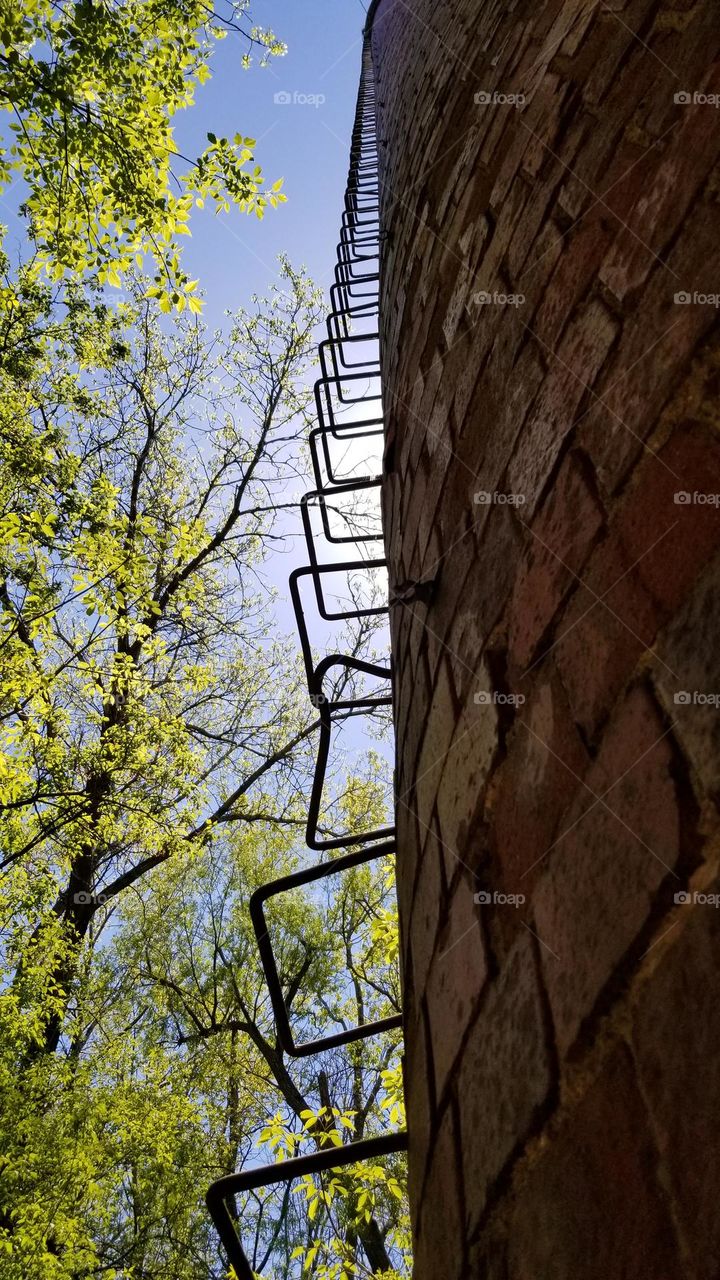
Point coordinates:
pixel 408 853
pixel 474 579
pixel 440 1231
pixel 439 719
pixel 573 160
pixel 692 150
pixel 609 623
pixel 505 1076
pixel 497 136
pixel 496 414
pixel 428 516
pixel 676 1039
pixel 456 981
pixel 536 243
pixel 623 72
pixel 487 1259
pixel 578 259
pixel 653 553
pixel 564 399
pixel 573 370
pixel 558 543
pixel 428 909
pixel 654 357
pixel 687 660
pixel 409 679
pixel 590 1206
pixel 410 627
pixel 535 784
pixel 420 1103
pixel 466 641
pixel 690 463
pixel 538 117
pixel 450 591
pixel 462 374
pixel 498 548
pixel 613 850
pixel 465 775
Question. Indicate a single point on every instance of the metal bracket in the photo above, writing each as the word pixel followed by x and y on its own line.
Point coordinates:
pixel 286 1171
pixel 354 298
pixel 257 913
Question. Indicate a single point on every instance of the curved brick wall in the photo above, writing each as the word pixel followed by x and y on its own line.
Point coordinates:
pixel 562 1052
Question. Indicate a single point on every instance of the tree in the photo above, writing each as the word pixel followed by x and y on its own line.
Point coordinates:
pixel 173 1076
pixel 155 739
pixel 92 89
pixel 132 695
pixel 198 964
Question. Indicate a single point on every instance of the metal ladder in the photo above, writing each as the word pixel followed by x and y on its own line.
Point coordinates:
pixel 347 369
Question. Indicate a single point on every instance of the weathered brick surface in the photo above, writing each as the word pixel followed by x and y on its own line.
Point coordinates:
pixel 607 627
pixel 505 1076
pixel 545 763
pixel 689 646
pixel 440 1232
pixel 591 1204
pixel 612 850
pixel 581 596
pixel 676 1039
pixel 456 979
pixel 419 1097
pixel 573 368
pixel 561 537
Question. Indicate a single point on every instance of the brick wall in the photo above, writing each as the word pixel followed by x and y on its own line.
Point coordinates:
pixel 562 1051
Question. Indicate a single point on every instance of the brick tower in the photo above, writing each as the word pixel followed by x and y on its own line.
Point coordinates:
pixel 551 362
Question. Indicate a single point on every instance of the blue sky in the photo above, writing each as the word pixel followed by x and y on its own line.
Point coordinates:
pixel 308 145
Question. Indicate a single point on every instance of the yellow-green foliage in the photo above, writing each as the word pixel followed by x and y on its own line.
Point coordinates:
pixel 91 91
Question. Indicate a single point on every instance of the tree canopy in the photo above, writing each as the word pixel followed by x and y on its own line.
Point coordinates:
pixel 156 744
pixel 91 89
